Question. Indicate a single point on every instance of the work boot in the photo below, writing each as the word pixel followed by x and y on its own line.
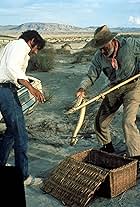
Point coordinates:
pixel 108 148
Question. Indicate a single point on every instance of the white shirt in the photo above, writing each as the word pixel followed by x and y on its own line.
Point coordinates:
pixel 14 59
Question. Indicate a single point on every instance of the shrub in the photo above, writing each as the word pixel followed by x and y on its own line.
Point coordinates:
pixel 43 61
pixel 84 55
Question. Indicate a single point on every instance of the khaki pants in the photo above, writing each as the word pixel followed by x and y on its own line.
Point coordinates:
pixel 128 96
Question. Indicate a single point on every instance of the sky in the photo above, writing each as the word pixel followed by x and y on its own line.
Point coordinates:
pixel 81 13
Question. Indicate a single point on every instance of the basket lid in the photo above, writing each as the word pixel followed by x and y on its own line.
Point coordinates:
pixel 74 183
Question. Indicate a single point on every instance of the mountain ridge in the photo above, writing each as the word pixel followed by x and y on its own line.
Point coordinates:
pixel 54 28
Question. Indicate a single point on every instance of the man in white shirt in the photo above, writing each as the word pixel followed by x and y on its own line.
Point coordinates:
pixel 13 63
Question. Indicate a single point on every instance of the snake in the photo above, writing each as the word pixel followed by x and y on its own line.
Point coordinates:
pixel 74 137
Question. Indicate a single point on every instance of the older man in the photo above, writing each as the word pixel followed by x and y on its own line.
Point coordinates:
pixel 118 59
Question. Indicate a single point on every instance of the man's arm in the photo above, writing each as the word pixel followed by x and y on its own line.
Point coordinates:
pixel 85 83
pixel 35 92
pixel 93 74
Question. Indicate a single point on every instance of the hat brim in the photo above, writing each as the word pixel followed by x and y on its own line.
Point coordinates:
pixel 102 42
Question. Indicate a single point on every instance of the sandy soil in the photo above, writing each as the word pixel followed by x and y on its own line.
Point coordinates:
pixel 50 130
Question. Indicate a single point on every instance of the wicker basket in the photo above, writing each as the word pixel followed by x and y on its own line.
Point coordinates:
pixel 74 183
pixel 77 179
pixel 122 171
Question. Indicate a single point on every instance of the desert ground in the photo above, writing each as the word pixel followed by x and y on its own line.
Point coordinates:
pixel 50 130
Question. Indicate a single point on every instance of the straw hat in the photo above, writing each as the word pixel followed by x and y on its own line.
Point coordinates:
pixel 102 36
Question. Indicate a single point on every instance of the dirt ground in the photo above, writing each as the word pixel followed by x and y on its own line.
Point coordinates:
pixel 50 130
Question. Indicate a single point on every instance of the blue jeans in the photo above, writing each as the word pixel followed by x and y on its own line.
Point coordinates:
pixel 15 135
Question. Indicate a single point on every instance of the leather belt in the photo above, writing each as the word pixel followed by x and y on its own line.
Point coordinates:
pixel 7 85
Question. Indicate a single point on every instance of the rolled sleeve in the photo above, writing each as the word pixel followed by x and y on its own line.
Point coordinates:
pixel 86 82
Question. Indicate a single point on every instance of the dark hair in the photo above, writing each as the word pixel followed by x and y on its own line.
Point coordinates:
pixel 32 34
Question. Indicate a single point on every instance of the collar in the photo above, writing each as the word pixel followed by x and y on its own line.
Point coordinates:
pixel 25 44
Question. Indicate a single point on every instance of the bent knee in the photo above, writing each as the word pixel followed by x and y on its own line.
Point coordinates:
pixel 128 123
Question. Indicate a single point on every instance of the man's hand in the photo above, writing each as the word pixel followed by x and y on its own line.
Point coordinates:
pixel 37 94
pixel 80 93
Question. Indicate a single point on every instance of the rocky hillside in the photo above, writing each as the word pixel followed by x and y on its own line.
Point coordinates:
pixel 47 28
pixel 55 28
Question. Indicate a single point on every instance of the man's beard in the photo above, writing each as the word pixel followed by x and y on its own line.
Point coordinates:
pixel 108 52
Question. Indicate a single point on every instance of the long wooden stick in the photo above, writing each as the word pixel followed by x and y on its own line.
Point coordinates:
pixel 101 95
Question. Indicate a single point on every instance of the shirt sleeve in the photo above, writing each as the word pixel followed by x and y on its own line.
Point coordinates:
pixel 93 74
pixel 17 60
pixel 134 44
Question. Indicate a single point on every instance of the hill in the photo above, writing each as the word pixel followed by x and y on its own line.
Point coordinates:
pixel 56 28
